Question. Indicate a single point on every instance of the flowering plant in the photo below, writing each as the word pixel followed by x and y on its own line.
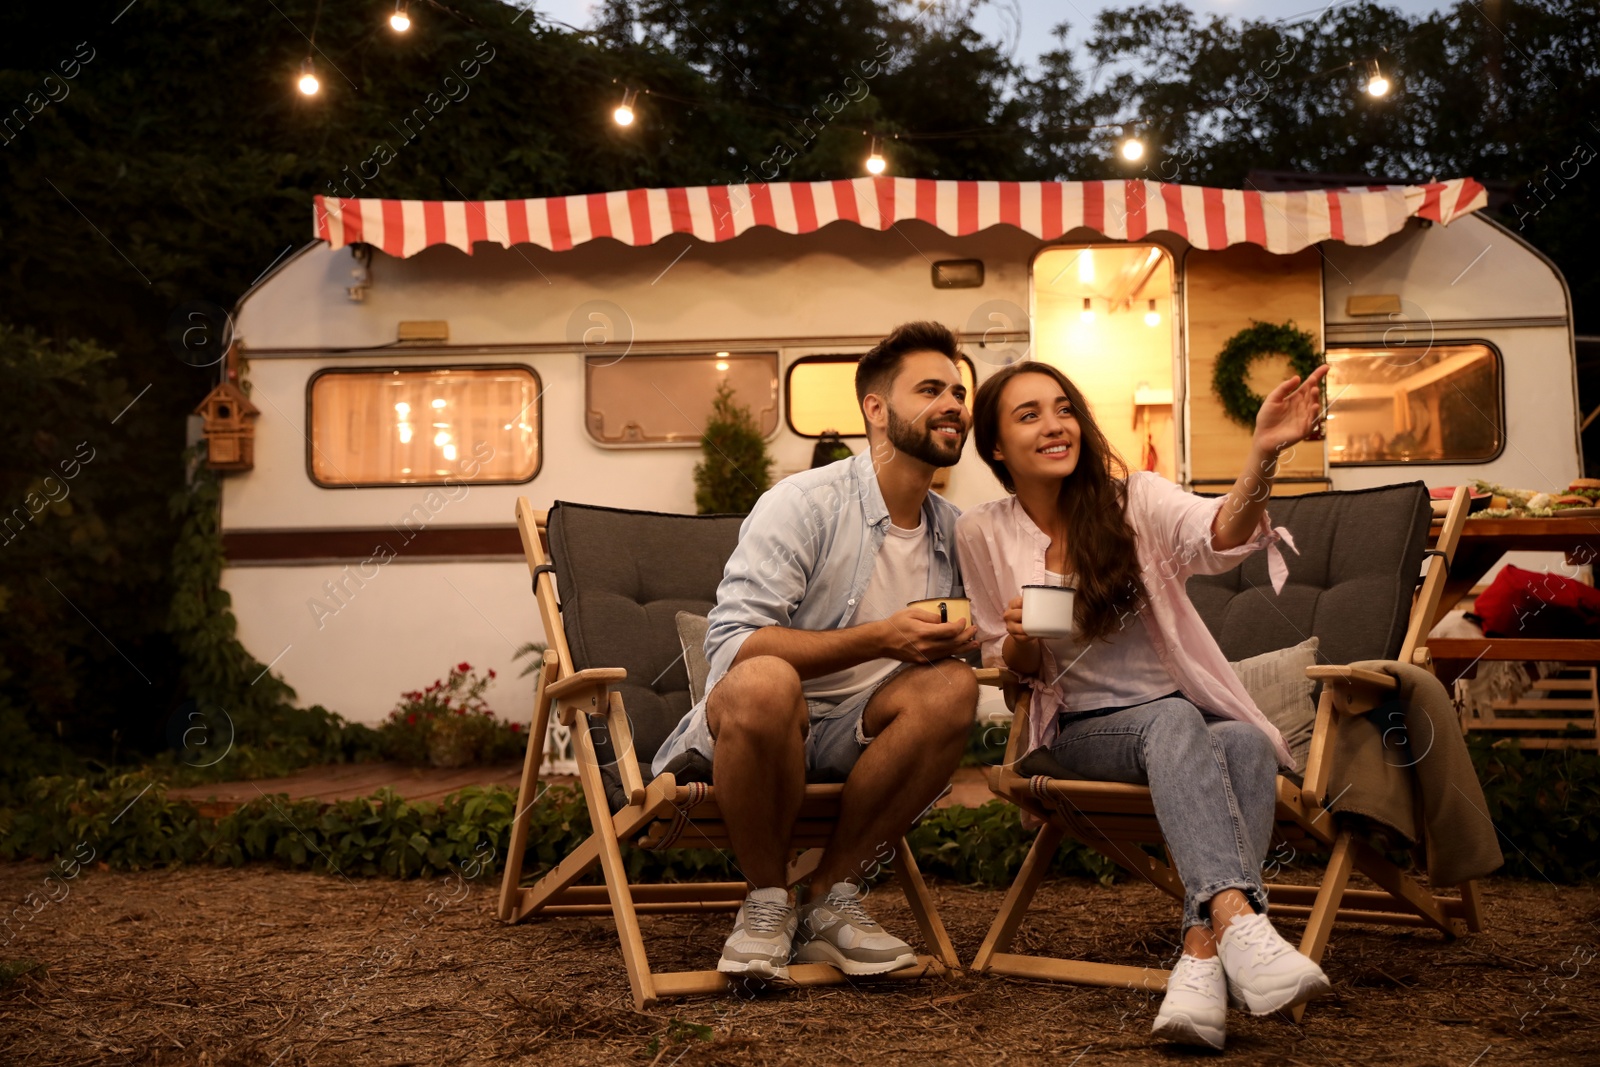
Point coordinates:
pixel 450 724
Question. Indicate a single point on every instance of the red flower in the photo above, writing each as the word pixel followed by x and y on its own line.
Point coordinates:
pixel 463 667
pixel 461 711
pixel 491 672
pixel 411 718
pixel 516 727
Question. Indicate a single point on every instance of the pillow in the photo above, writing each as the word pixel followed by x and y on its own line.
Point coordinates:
pixel 692 636
pixel 1277 682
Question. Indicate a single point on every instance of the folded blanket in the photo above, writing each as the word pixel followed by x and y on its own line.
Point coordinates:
pixel 1405 765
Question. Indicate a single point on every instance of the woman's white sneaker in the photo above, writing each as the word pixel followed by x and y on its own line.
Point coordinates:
pixel 1194 1011
pixel 1265 972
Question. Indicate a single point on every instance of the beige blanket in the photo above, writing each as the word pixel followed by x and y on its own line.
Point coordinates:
pixel 1405 765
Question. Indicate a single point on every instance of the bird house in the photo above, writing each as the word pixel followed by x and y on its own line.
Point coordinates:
pixel 230 430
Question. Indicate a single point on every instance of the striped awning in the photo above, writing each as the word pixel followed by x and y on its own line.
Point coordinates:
pixel 1281 222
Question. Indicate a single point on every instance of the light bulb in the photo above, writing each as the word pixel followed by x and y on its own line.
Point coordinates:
pixel 402 409
pixel 875 164
pixel 1152 317
pixel 450 452
pixel 1132 149
pixel 441 438
pixel 722 364
pixel 1088 311
pixel 405 433
pixel 623 115
pixel 1377 85
pixel 400 20
pixel 438 402
pixel 308 78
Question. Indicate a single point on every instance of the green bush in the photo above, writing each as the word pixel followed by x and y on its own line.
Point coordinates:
pixel 734 469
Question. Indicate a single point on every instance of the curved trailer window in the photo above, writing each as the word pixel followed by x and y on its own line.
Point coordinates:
pixel 822 394
pixel 666 400
pixel 1430 403
pixel 385 426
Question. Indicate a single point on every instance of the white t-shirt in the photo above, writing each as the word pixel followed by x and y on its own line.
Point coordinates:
pixel 899 576
pixel 1118 671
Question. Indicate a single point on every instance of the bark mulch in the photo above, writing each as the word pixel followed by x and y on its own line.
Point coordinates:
pixel 264 967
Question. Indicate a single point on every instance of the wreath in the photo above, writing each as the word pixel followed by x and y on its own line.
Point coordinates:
pixel 1245 347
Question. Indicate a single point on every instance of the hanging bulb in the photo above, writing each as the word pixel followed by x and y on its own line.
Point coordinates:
pixel 1152 317
pixel 1088 311
pixel 400 21
pixel 1377 84
pixel 875 160
pixel 722 361
pixel 1132 149
pixel 308 78
pixel 624 112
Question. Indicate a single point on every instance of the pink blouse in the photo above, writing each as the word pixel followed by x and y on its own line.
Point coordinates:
pixel 1001 550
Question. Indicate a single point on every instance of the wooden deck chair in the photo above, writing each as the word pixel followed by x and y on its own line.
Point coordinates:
pixel 1349 586
pixel 608 600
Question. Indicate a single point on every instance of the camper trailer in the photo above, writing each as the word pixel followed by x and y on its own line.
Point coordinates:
pixel 420 365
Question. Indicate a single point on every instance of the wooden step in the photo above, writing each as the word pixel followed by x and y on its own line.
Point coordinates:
pixel 1545 704
pixel 1531 724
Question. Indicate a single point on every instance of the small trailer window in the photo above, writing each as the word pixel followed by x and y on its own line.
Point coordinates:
pixel 822 395
pixel 1425 403
pixel 386 426
pixel 666 400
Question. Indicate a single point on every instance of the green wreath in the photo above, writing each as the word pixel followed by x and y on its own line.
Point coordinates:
pixel 1245 347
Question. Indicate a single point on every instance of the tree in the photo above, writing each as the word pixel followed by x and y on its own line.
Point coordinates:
pixel 735 469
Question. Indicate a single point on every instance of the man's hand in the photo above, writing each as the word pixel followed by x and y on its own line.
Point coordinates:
pixel 915 636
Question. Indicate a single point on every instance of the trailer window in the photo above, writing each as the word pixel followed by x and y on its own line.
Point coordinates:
pixel 822 395
pixel 1433 403
pixel 666 400
pixel 406 427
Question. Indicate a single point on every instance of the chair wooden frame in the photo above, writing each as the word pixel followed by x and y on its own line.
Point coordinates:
pixel 1117 819
pixel 657 814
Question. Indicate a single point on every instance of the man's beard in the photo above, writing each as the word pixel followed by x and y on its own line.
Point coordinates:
pixel 920 442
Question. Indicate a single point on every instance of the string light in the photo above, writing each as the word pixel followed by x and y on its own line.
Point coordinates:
pixel 875 160
pixel 400 20
pixel 722 361
pixel 1088 311
pixel 308 78
pixel 1132 148
pixel 1377 84
pixel 624 112
pixel 1152 317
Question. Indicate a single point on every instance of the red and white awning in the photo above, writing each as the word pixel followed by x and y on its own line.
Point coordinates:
pixel 1280 222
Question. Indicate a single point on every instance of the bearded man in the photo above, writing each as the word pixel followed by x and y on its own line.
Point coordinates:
pixel 820 672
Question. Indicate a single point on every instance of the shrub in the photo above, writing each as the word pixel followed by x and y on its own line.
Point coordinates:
pixel 735 469
pixel 449 724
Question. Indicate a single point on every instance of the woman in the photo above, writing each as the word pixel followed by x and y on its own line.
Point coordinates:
pixel 1141 693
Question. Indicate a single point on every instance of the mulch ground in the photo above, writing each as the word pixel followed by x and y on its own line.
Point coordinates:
pixel 264 967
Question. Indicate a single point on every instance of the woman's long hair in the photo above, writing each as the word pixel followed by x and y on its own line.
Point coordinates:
pixel 1093 505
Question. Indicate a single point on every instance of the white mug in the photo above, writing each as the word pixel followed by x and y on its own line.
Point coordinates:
pixel 1047 610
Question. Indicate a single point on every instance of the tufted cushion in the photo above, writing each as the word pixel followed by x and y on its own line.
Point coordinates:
pixel 623 576
pixel 1350 586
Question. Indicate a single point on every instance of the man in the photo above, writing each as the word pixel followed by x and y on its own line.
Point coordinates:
pixel 819 672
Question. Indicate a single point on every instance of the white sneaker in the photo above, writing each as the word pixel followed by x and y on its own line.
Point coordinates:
pixel 1194 1011
pixel 1265 972
pixel 837 930
pixel 763 936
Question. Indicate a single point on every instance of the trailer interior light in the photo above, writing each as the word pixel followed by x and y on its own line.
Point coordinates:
pixel 402 409
pixel 400 21
pixel 1152 317
pixel 405 433
pixel 875 161
pixel 624 112
pixel 438 402
pixel 441 438
pixel 450 452
pixel 308 78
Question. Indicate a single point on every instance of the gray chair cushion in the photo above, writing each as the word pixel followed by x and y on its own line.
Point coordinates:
pixel 1350 586
pixel 1277 682
pixel 623 576
pixel 692 636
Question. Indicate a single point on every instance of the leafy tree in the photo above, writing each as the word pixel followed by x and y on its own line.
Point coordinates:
pixel 736 469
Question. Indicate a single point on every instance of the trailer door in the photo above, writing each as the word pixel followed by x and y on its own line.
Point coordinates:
pixel 1224 291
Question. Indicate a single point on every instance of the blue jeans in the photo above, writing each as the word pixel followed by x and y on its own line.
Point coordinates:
pixel 1213 780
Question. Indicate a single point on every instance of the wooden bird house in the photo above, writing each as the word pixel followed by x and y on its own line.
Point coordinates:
pixel 230 429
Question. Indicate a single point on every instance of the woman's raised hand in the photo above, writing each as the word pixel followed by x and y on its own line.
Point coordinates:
pixel 1013 621
pixel 1290 412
